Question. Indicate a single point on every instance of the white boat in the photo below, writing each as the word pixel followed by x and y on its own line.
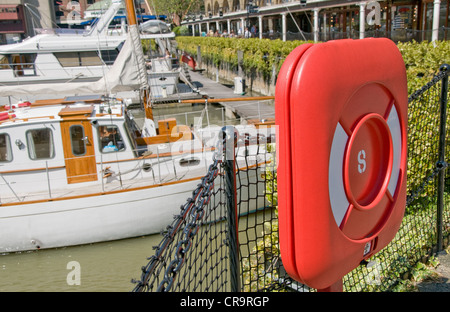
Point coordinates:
pixel 123 79
pixel 82 173
pixel 66 55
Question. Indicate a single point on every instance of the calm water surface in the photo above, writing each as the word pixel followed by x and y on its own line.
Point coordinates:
pixel 105 267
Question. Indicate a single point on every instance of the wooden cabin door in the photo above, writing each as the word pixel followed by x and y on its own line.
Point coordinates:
pixel 79 153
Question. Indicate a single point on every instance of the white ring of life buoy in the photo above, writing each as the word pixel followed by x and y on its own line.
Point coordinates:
pixel 339 198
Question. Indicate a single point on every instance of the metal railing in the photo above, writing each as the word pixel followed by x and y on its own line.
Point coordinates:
pixel 226 235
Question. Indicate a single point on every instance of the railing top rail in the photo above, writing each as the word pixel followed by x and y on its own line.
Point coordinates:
pixel 237 99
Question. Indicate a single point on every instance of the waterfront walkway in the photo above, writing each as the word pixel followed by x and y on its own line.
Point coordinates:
pixel 243 106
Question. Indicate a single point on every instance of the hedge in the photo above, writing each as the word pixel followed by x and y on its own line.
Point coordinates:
pixel 422 59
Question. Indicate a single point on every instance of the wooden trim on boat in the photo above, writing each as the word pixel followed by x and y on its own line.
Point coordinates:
pixel 100 193
pixel 26 119
pixel 48 102
pixel 269 122
pixel 78 168
pixel 63 101
pixel 70 112
pixel 164 138
pixel 37 117
pixel 34 169
pixel 106 114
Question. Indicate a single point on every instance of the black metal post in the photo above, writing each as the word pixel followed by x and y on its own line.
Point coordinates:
pixel 230 136
pixel 441 161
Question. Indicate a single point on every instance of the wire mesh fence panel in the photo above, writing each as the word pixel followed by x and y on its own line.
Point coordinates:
pixel 226 235
pixel 416 239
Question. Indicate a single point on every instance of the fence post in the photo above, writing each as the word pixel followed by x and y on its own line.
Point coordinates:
pixel 441 161
pixel 230 136
pixel 199 56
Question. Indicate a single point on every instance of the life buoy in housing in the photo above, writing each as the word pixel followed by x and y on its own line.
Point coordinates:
pixel 341 109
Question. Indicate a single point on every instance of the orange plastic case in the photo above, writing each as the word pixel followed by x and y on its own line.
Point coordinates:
pixel 341 109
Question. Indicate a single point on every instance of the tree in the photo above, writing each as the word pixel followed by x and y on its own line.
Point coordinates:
pixel 177 9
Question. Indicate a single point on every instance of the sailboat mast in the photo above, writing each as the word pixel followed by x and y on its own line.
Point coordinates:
pixel 131 12
pixel 133 29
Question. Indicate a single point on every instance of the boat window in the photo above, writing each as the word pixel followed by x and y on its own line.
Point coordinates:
pixel 4 63
pixel 5 148
pixel 78 140
pixel 40 143
pixel 110 139
pixel 192 161
pixel 24 60
pixel 90 58
pixel 109 56
pixel 76 59
pixel 68 59
pixel 22 64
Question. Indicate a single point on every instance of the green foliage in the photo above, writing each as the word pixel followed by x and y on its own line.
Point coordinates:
pixel 422 61
pixel 401 267
pixel 177 7
pixel 260 269
pixel 147 45
pixel 260 55
pixel 181 30
pixel 421 272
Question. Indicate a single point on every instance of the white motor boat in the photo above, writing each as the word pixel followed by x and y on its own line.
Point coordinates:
pixel 66 55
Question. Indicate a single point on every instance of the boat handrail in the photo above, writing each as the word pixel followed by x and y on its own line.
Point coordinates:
pixel 32 64
pixel 235 99
pixel 61 31
pixel 162 168
pixel 239 120
pixel 156 163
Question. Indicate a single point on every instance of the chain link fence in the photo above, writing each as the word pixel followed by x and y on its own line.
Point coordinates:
pixel 226 235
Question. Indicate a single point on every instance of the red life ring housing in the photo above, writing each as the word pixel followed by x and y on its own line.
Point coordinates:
pixel 341 108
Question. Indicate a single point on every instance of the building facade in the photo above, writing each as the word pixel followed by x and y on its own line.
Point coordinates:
pixel 88 9
pixel 321 20
pixel 20 18
pixel 13 23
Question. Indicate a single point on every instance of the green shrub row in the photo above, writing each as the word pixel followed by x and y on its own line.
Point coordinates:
pixel 259 54
pixel 401 258
pixel 422 59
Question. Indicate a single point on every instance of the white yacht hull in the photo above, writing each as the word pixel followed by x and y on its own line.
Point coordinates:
pixel 70 174
pixel 90 219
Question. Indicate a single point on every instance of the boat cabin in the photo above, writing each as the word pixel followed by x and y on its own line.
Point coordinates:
pixel 96 146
